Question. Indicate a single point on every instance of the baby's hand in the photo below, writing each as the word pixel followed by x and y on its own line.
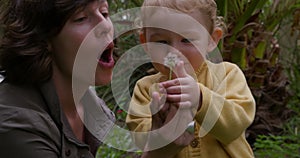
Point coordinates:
pixel 159 109
pixel 166 118
pixel 182 91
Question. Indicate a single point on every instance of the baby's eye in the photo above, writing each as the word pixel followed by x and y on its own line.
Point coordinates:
pixel 186 40
pixel 161 41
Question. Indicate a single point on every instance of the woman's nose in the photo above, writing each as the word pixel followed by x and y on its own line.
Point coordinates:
pixel 103 27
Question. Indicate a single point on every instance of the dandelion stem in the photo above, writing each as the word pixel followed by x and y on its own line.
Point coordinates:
pixel 170 73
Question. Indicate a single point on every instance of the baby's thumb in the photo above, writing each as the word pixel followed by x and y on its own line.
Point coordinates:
pixel 180 70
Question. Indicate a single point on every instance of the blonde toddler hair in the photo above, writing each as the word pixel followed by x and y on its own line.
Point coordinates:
pixel 207 7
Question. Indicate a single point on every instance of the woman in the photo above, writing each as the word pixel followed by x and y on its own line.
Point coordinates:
pixel 38 49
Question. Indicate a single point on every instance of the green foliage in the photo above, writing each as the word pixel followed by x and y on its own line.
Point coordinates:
pixel 251 42
pixel 278 146
pixel 116 139
pixel 106 151
pixel 120 5
pixel 287 144
pixel 252 26
pixel 294 74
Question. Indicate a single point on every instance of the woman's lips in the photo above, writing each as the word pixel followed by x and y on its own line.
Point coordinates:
pixel 106 59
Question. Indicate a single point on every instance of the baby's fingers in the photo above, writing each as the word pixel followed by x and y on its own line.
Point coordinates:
pixel 183 105
pixel 180 70
pixel 155 103
pixel 178 97
pixel 158 103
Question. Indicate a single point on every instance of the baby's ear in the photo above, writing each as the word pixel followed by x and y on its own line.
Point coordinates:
pixel 142 36
pixel 215 38
pixel 143 40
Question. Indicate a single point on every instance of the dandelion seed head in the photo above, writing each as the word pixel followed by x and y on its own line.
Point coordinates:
pixel 171 60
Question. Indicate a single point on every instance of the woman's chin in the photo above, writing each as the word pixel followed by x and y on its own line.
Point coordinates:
pixel 103 80
pixel 103 76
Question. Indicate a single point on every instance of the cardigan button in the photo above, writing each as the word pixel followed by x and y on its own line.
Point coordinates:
pixel 194 143
pixel 82 156
pixel 68 152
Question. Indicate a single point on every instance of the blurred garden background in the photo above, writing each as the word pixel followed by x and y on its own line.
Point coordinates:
pixel 263 38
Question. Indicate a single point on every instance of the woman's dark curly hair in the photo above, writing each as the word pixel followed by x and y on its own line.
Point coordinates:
pixel 26 26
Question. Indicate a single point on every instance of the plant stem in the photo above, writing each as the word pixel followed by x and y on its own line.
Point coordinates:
pixel 170 73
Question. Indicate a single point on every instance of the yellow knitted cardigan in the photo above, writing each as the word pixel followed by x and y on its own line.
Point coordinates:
pixel 227 109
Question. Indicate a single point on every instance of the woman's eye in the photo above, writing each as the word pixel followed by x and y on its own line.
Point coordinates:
pixel 81 19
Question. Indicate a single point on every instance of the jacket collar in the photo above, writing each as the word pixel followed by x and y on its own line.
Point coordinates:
pixel 51 99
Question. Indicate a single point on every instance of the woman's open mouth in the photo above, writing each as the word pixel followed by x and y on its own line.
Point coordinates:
pixel 106 59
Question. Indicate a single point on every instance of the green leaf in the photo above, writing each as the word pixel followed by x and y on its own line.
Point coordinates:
pixel 222 7
pixel 250 10
pixel 239 56
pixel 259 51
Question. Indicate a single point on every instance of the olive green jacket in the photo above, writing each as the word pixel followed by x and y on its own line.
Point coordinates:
pixel 32 124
